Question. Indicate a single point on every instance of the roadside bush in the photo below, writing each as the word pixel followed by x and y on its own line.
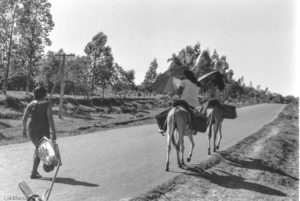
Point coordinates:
pixel 14 103
pixel 10 115
pixel 18 83
pixel 147 106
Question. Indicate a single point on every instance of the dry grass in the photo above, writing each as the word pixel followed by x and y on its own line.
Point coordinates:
pixel 81 116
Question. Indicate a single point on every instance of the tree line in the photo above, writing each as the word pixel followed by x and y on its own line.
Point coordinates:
pixel 236 90
pixel 24 33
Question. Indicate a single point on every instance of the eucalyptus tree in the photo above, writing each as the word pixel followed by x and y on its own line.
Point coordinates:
pixel 130 77
pixel 102 60
pixel 104 69
pixel 117 79
pixel 35 24
pixel 204 65
pixel 123 80
pixel 77 72
pixel 48 72
pixel 150 76
pixel 9 12
pixel 219 63
pixel 186 57
pixel 128 80
pixel 189 55
pixel 175 61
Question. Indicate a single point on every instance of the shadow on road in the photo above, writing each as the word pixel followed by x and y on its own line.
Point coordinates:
pixel 69 181
pixel 227 180
pixel 251 163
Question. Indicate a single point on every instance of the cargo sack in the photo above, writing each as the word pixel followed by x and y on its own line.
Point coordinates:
pixel 161 119
pixel 229 111
pixel 199 122
pixel 209 104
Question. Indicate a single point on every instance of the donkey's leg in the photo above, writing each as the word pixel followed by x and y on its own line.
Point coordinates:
pixel 209 136
pixel 168 151
pixel 215 128
pixel 181 147
pixel 220 136
pixel 192 148
pixel 178 144
pixel 182 152
pixel 210 115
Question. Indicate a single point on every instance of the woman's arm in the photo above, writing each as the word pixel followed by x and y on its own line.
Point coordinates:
pixel 51 121
pixel 25 118
pixel 180 90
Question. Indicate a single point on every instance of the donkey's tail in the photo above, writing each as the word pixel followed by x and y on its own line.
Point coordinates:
pixel 171 126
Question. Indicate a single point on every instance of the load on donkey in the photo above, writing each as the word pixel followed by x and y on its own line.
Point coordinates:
pixel 187 120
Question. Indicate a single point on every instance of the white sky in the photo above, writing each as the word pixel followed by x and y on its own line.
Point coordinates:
pixel 258 37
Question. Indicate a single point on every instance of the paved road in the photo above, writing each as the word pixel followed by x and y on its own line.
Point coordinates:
pixel 117 164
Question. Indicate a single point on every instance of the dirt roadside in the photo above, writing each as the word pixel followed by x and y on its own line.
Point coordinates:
pixel 263 166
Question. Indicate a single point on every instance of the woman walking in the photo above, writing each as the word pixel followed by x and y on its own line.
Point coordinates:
pixel 41 121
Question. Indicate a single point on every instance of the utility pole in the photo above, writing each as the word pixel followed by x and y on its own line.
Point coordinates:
pixel 62 82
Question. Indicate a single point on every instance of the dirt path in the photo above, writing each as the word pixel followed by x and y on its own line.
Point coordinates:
pixel 263 166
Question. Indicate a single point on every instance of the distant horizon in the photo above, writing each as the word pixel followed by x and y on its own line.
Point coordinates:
pixel 138 32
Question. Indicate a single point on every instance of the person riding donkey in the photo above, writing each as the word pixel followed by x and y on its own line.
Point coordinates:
pixel 212 98
pixel 188 92
pixel 186 120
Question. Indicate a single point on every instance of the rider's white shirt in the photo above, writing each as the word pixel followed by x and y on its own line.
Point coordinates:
pixel 190 92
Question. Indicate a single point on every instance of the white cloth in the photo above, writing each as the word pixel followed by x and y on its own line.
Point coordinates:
pixel 190 92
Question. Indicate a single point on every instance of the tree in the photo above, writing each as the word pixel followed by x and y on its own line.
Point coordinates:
pixel 175 61
pixel 150 76
pixel 95 50
pixel 122 80
pixel 230 75
pixel 77 72
pixel 204 65
pixel 129 76
pixel 277 98
pixel 186 57
pixel 289 99
pixel 250 83
pixel 228 87
pixel 8 14
pixel 34 24
pixel 214 58
pixel 222 66
pixel 117 78
pixel 104 69
pixel 189 55
pixel 47 74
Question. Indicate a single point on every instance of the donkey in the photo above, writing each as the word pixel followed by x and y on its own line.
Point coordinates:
pixel 179 119
pixel 215 120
